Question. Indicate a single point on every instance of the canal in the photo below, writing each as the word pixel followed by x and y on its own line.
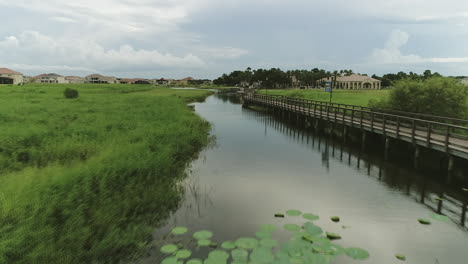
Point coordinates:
pixel 260 165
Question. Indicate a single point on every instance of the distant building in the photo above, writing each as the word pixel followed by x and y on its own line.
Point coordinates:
pixel 163 81
pixel 134 81
pixel 355 81
pixel 75 79
pixel 8 76
pixel 50 78
pixel 98 78
pixel 185 81
pixel 464 81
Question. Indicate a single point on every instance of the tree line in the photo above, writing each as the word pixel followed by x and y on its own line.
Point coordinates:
pixel 277 78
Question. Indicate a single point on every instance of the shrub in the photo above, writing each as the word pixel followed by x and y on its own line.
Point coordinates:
pixel 441 96
pixel 70 93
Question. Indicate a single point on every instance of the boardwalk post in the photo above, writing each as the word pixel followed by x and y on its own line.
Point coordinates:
pixel 387 146
pixel 345 133
pixel 450 168
pixel 416 156
pixel 363 140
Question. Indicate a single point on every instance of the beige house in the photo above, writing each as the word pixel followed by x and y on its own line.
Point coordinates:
pixel 50 78
pixel 355 81
pixel 98 78
pixel 75 79
pixel 8 76
pixel 185 81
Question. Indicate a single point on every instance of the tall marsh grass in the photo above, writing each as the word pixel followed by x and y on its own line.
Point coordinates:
pixel 87 180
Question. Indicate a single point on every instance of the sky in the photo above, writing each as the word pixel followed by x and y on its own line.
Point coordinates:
pixel 206 38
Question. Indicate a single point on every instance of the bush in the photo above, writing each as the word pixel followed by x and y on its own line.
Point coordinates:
pixel 441 96
pixel 70 93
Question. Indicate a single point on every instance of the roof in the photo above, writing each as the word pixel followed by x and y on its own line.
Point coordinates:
pixel 48 75
pixel 187 79
pixel 354 78
pixel 73 77
pixel 8 71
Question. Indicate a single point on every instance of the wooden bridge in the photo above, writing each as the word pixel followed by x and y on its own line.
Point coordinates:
pixel 447 135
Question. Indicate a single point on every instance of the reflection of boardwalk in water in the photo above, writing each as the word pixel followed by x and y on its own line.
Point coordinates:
pixel 440 197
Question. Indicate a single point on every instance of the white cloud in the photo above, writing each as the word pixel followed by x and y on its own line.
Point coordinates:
pixel 392 54
pixel 63 19
pixel 32 47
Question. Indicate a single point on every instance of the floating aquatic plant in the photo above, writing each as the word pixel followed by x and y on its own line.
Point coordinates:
pixel 440 217
pixel 400 257
pixel 308 244
pixel 335 218
pixel 424 221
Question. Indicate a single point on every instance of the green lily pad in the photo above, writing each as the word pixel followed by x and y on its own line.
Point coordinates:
pixel 170 260
pixel 293 212
pixel 194 261
pixel 312 229
pixel 213 245
pixel 279 215
pixel 268 243
pixel 357 253
pixel 292 227
pixel 440 217
pixel 424 221
pixel 204 234
pixel 335 218
pixel 400 257
pixel 218 254
pixel 268 228
pixel 263 234
pixel 310 217
pixel 183 254
pixel 228 245
pixel 179 230
pixel 214 261
pixel 204 242
pixel 239 254
pixel 169 249
pixel 332 236
pixel 246 243
pixel 262 255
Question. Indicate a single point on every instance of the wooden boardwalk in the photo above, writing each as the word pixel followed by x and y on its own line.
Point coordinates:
pixel 447 135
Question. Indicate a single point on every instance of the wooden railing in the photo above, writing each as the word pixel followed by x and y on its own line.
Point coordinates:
pixel 441 132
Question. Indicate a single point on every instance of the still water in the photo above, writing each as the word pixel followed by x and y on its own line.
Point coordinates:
pixel 261 166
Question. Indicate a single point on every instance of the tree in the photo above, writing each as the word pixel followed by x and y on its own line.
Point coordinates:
pixel 441 96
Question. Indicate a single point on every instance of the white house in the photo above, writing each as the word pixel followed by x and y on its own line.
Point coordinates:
pixel 50 78
pixel 8 76
pixel 355 81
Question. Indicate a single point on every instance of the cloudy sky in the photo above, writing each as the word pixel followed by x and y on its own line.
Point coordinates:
pixel 205 38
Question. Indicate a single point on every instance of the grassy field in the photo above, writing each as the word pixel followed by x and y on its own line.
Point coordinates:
pixel 87 180
pixel 352 97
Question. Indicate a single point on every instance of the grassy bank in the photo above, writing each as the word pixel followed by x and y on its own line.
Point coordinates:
pixel 353 97
pixel 86 180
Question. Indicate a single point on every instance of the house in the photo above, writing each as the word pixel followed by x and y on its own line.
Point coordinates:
pixel 163 81
pixel 355 81
pixel 98 78
pixel 8 76
pixel 464 81
pixel 75 79
pixel 185 81
pixel 50 78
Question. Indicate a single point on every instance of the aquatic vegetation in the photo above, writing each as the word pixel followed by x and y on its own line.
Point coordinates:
pixel 424 221
pixel 335 218
pixel 440 217
pixel 400 257
pixel 293 212
pixel 310 217
pixel 179 230
pixel 169 249
pixel 279 215
pixel 307 244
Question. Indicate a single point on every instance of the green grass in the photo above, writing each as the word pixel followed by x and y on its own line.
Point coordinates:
pixel 352 97
pixel 87 180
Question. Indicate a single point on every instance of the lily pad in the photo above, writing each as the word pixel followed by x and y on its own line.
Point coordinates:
pixel 310 217
pixel 400 257
pixel 333 236
pixel 279 215
pixel 263 234
pixel 246 243
pixel 239 254
pixel 170 260
pixel 293 212
pixel 268 243
pixel 194 261
pixel 218 254
pixel 262 255
pixel 203 234
pixel 183 254
pixel 203 242
pixel 213 245
pixel 424 221
pixel 357 253
pixel 312 229
pixel 440 217
pixel 292 227
pixel 268 228
pixel 228 245
pixel 335 218
pixel 169 249
pixel 179 230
